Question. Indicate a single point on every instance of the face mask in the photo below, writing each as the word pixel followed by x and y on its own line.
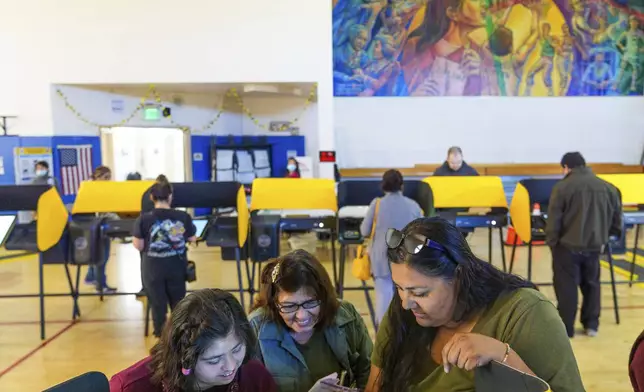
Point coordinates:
pixel 291 167
pixel 41 173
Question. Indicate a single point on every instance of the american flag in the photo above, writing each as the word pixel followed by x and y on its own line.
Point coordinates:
pixel 75 166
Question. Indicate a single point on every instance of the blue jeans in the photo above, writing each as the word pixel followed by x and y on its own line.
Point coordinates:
pixel 96 272
pixel 384 288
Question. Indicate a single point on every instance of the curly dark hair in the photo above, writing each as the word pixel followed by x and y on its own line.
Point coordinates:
pixel 478 284
pixel 200 318
pixel 296 270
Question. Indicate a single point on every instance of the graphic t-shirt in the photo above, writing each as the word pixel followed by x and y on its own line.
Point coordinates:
pixel 165 232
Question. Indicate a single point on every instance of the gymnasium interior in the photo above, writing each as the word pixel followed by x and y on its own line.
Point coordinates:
pixel 220 96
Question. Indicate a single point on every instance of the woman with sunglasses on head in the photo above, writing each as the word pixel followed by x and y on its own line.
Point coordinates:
pixel 309 340
pixel 208 346
pixel 453 312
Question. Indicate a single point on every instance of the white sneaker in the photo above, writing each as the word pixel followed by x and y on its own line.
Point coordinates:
pixel 591 332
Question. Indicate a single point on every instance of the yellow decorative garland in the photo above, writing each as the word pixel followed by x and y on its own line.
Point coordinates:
pixel 154 94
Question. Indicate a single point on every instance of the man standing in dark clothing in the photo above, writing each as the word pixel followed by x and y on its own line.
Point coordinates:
pixel 584 211
pixel 455 165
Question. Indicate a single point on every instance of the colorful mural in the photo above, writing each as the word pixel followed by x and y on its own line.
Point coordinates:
pixel 488 47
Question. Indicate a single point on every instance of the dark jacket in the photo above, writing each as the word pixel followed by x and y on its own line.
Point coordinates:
pixel 464 170
pixel 251 377
pixel 348 338
pixel 584 211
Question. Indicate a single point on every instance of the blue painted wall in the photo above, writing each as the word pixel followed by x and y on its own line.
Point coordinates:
pixel 7 145
pixel 280 146
pixel 200 144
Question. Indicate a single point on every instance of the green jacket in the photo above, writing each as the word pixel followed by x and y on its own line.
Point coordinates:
pixel 583 212
pixel 348 338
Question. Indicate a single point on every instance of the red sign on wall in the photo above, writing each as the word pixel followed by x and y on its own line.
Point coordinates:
pixel 327 156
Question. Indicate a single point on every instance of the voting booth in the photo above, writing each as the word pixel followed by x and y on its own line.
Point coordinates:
pixel 290 204
pixel 529 226
pixel 454 198
pixel 631 187
pixel 228 230
pixel 354 197
pixel 46 235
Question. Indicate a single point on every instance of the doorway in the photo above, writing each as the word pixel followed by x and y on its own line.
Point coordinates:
pixel 148 151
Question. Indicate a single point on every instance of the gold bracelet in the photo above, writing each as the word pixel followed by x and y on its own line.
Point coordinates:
pixel 507 353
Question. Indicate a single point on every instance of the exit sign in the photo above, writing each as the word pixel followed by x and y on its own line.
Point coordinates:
pixel 151 113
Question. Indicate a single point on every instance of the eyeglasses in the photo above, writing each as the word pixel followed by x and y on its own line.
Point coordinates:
pixel 292 308
pixel 411 244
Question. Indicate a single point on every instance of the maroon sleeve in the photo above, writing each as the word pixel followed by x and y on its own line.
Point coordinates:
pixel 255 378
pixel 116 384
pixel 637 368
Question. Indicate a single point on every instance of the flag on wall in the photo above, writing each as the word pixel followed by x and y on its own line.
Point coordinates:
pixel 75 167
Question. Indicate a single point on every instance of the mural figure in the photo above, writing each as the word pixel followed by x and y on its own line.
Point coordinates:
pixel 487 47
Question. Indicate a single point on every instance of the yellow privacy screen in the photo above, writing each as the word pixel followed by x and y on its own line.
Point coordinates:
pixel 293 194
pixel 479 191
pixel 110 196
pixel 630 185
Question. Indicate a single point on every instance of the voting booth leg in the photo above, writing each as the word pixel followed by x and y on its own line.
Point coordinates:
pixel 73 291
pixel 609 254
pixel 339 279
pixel 637 236
pixel 239 277
pixel 250 276
pixel 489 244
pixel 514 250
pixel 505 267
pixel 334 260
pixel 146 333
pixel 372 312
pixel 41 296
pixel 530 261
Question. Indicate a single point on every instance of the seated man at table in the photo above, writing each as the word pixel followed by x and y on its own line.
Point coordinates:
pixel 455 165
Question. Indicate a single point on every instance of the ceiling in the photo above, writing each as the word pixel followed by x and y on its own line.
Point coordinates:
pixel 244 89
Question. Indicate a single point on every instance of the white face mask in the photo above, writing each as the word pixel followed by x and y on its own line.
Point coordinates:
pixel 291 167
pixel 41 173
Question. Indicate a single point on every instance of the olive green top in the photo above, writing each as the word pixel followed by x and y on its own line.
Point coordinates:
pixel 319 357
pixel 529 323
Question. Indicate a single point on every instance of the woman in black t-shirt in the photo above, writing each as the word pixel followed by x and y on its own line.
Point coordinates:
pixel 162 236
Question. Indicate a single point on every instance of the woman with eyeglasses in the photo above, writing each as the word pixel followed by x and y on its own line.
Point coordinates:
pixel 453 312
pixel 309 340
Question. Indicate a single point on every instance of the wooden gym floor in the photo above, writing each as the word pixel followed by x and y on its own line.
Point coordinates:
pixel 109 336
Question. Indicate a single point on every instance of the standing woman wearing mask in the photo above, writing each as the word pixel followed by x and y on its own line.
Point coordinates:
pixel 292 168
pixel 96 274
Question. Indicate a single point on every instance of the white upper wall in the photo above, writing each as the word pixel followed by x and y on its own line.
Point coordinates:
pixel 401 132
pixel 46 42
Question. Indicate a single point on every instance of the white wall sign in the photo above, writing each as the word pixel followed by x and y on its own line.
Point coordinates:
pixel 197 157
pixel 117 106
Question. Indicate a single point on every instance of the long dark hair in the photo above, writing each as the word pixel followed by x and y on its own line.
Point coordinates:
pixel 477 283
pixel 290 273
pixel 436 22
pixel 197 320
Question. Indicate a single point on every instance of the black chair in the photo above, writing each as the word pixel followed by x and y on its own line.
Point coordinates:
pixel 92 381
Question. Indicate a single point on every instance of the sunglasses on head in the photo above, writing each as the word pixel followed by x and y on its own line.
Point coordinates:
pixel 411 244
